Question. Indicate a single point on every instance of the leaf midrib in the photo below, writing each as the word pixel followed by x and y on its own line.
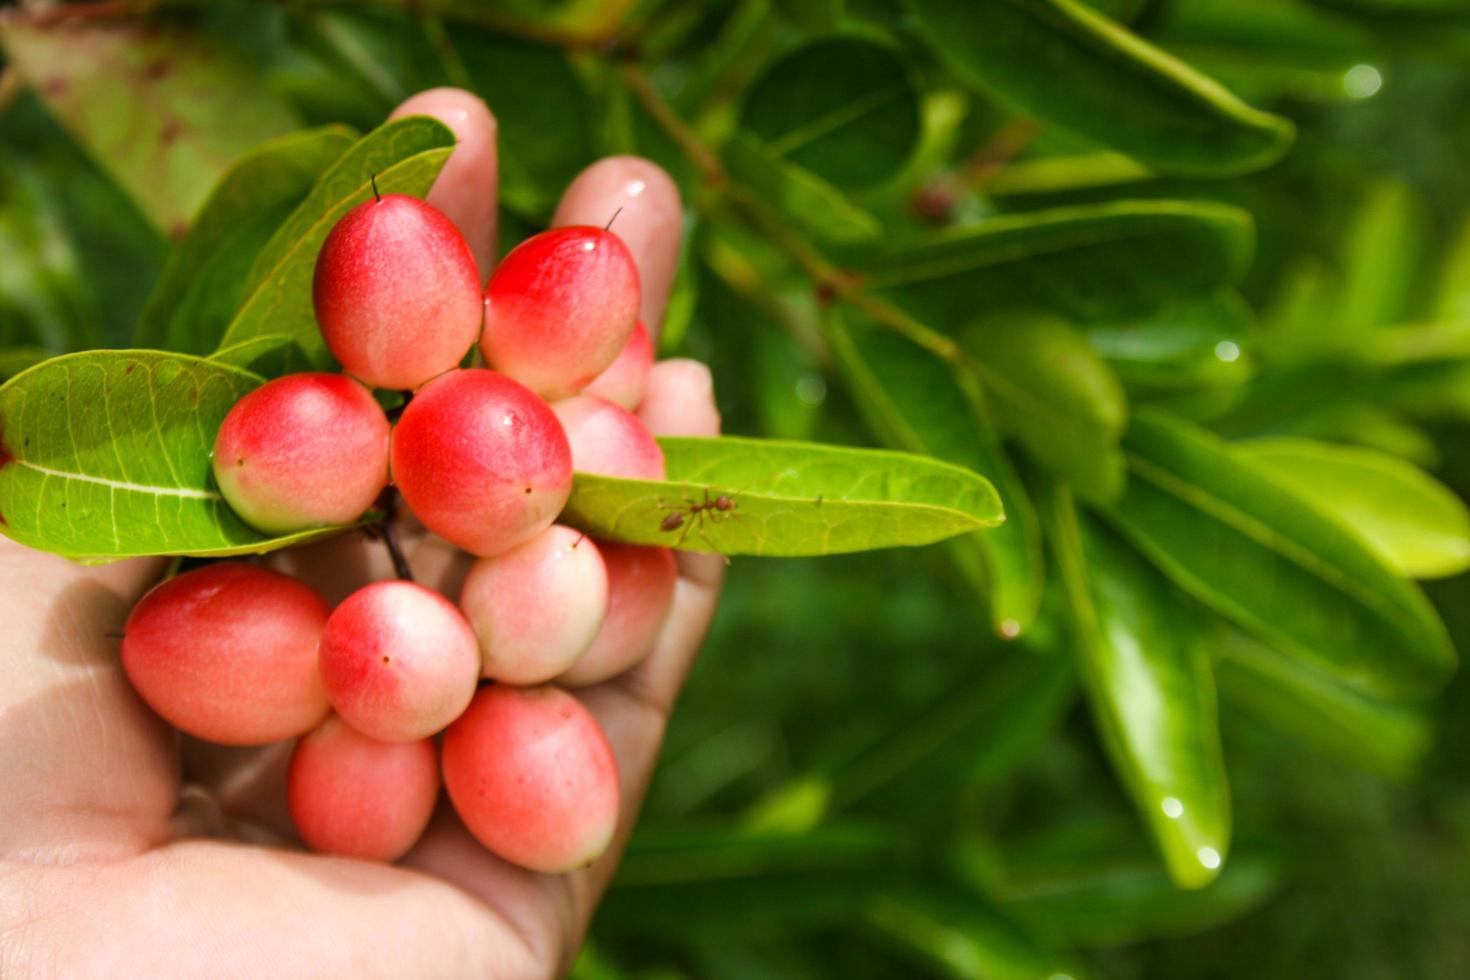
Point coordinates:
pixel 1259 532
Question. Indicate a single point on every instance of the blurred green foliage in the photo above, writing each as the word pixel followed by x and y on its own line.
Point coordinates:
pixel 1066 243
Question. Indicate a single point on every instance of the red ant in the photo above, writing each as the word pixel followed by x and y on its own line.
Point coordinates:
pixel 695 513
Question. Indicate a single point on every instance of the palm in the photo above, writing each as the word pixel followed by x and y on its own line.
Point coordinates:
pixel 125 849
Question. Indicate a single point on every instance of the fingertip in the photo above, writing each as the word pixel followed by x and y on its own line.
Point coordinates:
pixel 467 187
pixel 680 400
pixel 650 222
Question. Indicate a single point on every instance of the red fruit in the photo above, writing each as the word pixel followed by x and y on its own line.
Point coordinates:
pixel 306 450
pixel 361 798
pixel 398 661
pixel 559 308
pixel 481 461
pixel 397 293
pixel 623 381
pixel 609 440
pixel 536 608
pixel 640 584
pixel 227 653
pixel 533 778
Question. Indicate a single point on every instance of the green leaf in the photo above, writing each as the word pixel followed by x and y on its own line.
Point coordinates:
pixel 814 205
pixel 843 108
pixel 1452 288
pixel 533 90
pixel 1088 262
pixel 1059 62
pixel 1093 884
pixel 106 455
pixel 959 936
pixel 1052 391
pixel 1381 257
pixel 1247 546
pixel 695 885
pixel 1309 706
pixel 1415 524
pixel 389 144
pixel 1201 344
pixel 787 498
pixel 405 155
pixel 914 403
pixel 1269 48
pixel 812 15
pixel 974 733
pixel 1147 673
pixel 1060 174
pixel 269 356
pixel 205 279
pixel 162 109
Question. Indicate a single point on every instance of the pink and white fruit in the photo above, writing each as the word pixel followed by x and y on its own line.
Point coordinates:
pixel 623 381
pixel 559 308
pixel 481 461
pixel 398 661
pixel 608 439
pixel 227 653
pixel 397 293
pixel 537 607
pixel 306 450
pixel 357 797
pixel 533 778
pixel 641 584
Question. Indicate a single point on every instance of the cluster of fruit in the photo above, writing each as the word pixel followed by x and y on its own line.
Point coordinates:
pixel 242 655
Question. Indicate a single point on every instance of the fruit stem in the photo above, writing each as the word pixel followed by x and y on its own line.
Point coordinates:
pixel 388 504
pixel 395 552
pixel 374 181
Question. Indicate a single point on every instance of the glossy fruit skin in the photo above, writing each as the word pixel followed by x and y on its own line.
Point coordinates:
pixel 354 796
pixel 559 308
pixel 622 382
pixel 641 583
pixel 537 607
pixel 302 451
pixel 227 653
pixel 398 661
pixel 533 777
pixel 608 439
pixel 397 293
pixel 481 461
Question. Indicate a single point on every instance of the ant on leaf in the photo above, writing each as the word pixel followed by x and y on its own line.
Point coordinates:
pixel 695 513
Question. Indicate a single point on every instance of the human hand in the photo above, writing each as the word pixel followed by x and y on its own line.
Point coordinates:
pixel 126 850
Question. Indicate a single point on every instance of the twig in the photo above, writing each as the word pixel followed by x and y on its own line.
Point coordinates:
pixel 383 529
pixel 936 201
pixel 831 282
pixel 668 120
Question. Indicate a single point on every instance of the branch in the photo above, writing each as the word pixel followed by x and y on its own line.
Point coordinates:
pixel 677 130
pixel 831 282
